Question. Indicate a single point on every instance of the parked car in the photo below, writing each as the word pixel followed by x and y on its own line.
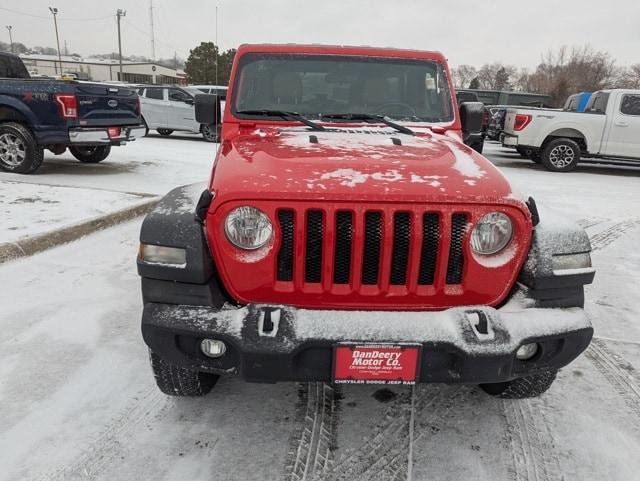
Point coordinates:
pixel 608 129
pixel 499 97
pixel 38 114
pixel 577 102
pixel 219 90
pixel 167 109
pixel 357 240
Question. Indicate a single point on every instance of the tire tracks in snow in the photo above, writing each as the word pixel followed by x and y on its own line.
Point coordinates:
pixel 387 453
pixel 531 441
pixel 612 233
pixel 310 454
pixel 619 373
pixel 108 445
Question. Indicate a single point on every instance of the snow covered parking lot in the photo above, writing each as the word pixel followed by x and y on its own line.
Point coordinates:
pixel 79 400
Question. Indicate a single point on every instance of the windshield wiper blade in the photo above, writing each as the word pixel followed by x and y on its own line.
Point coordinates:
pixel 371 118
pixel 283 114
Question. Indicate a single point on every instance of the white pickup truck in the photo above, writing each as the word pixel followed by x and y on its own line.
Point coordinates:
pixel 609 128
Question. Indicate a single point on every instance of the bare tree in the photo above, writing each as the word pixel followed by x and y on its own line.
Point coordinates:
pixel 463 75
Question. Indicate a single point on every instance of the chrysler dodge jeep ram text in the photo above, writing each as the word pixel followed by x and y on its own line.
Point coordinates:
pixel 348 235
pixel 38 114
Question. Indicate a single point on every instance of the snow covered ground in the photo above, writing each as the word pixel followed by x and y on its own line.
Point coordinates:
pixel 79 402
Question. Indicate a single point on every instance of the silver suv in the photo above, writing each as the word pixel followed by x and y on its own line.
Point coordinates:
pixel 168 108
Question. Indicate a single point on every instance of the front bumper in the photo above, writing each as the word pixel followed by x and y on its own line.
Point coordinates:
pixel 100 135
pixel 459 345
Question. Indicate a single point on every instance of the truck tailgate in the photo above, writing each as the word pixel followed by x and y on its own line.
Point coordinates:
pixel 107 105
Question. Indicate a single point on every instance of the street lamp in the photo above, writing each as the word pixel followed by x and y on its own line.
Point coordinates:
pixel 10 27
pixel 119 14
pixel 54 11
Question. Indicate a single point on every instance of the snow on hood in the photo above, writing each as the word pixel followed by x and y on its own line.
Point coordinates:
pixel 368 163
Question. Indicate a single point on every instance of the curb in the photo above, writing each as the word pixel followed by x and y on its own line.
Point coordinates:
pixel 32 245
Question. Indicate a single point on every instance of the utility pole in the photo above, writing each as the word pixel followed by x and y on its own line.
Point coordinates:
pixel 119 14
pixel 54 11
pixel 10 27
pixel 153 34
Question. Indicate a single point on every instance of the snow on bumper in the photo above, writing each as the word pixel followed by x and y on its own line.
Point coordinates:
pixel 279 343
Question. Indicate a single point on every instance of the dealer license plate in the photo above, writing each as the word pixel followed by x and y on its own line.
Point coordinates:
pixel 376 363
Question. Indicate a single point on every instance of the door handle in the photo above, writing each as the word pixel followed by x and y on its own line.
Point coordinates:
pixel 621 124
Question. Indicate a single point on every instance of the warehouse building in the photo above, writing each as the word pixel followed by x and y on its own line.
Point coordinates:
pixel 99 70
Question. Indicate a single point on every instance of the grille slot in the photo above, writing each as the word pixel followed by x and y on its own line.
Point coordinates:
pixel 342 249
pixel 429 251
pixel 372 244
pixel 285 255
pixel 456 254
pixel 400 253
pixel 313 257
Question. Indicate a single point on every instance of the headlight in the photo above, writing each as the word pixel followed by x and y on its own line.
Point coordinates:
pixel 169 256
pixel 491 234
pixel 248 228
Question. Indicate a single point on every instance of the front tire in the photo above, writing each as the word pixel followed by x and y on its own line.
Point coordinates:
pixel 19 151
pixel 209 133
pixel 523 387
pixel 91 154
pixel 174 380
pixel 561 155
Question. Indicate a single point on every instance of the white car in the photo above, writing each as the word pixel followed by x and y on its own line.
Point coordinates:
pixel 609 128
pixel 169 108
pixel 212 89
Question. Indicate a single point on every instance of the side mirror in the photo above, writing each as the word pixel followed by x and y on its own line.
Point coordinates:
pixel 189 101
pixel 208 109
pixel 471 114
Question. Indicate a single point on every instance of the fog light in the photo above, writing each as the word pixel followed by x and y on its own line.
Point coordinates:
pixel 213 348
pixel 527 351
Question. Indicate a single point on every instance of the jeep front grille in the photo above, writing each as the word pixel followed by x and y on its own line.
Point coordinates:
pixel 377 248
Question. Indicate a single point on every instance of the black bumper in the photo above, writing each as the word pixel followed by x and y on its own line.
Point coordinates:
pixel 299 347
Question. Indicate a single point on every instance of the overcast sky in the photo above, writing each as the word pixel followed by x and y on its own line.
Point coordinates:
pixel 510 31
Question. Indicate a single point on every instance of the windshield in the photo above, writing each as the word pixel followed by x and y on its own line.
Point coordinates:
pixel 318 85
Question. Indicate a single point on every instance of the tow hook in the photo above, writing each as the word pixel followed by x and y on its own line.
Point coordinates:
pixel 269 321
pixel 479 322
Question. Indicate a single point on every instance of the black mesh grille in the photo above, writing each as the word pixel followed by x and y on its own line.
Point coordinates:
pixel 429 252
pixel 313 257
pixel 285 255
pixel 400 253
pixel 456 256
pixel 344 237
pixel 372 241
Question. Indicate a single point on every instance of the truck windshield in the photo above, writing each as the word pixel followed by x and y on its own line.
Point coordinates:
pixel 319 85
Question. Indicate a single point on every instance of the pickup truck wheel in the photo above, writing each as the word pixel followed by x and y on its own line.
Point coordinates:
pixel 523 387
pixel 91 154
pixel 165 132
pixel 19 151
pixel 209 133
pixel 561 155
pixel 177 381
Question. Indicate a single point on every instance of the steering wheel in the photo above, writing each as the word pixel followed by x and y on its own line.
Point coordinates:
pixel 395 108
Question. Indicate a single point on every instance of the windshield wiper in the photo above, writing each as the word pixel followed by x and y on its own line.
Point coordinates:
pixel 370 118
pixel 283 114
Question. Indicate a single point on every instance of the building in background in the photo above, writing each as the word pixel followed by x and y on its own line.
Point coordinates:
pixel 99 70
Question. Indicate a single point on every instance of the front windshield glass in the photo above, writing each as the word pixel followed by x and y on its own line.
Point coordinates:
pixel 317 85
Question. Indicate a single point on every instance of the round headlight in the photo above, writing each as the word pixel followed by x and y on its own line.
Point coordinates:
pixel 248 228
pixel 492 234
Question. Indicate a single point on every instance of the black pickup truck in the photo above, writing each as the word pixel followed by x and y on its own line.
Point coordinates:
pixel 38 114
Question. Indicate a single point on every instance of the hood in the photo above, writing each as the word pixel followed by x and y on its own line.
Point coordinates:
pixel 367 164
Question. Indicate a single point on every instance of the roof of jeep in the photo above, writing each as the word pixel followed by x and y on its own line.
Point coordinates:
pixel 341 50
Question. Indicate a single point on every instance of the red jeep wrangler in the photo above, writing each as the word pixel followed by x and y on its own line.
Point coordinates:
pixel 348 235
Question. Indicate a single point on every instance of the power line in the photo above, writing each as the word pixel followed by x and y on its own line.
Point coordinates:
pixel 61 18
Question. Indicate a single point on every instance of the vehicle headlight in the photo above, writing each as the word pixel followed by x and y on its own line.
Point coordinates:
pixel 248 228
pixel 491 234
